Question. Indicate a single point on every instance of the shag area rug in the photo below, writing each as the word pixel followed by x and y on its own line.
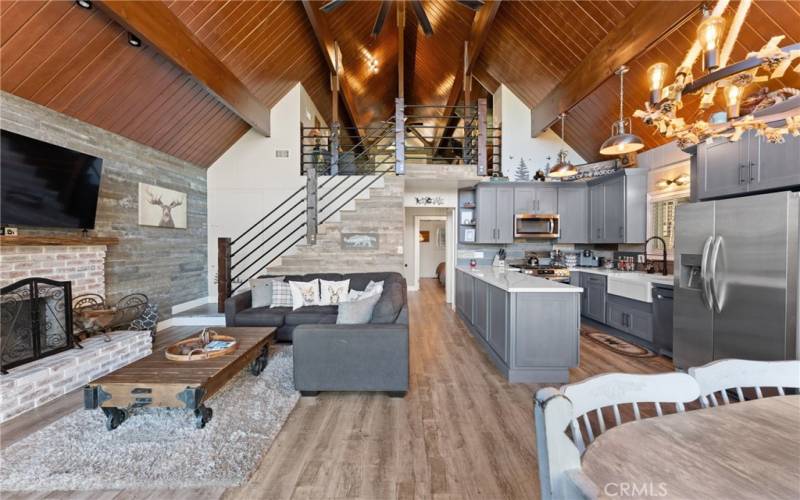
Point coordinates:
pixel 159 448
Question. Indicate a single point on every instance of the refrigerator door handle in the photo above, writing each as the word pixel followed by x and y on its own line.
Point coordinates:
pixel 708 299
pixel 718 299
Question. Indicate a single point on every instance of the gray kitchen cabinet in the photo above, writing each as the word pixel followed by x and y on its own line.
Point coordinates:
pixel 618 208
pixel 480 315
pixel 533 199
pixel 498 322
pixel 464 294
pixel 547 316
pixel 495 214
pixel 585 293
pixel 573 211
pixel 630 316
pixel 751 164
pixel 596 298
pixel 614 212
pixel 777 165
pixel 597 201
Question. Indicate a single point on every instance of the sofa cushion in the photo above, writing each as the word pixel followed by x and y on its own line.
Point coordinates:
pixel 311 315
pixel 359 281
pixel 391 302
pixel 262 316
pixel 357 312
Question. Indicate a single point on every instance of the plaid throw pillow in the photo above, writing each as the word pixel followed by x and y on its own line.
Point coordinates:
pixel 281 294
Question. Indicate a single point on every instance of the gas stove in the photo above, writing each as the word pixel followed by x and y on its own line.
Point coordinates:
pixel 552 273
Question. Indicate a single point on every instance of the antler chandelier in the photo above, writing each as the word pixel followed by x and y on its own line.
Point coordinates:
pixel 770 114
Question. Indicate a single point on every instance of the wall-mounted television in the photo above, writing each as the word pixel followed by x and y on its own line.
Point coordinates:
pixel 45 185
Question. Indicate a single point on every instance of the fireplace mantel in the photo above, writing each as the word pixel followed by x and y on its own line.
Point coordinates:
pixel 57 240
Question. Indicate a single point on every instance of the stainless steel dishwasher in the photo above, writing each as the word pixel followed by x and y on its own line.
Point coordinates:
pixel 662 319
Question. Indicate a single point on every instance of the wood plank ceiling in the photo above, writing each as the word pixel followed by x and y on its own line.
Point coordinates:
pixel 78 62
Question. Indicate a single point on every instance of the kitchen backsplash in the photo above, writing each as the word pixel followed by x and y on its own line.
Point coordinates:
pixel 514 251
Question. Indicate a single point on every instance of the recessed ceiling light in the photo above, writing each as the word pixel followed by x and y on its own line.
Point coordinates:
pixel 86 4
pixel 134 40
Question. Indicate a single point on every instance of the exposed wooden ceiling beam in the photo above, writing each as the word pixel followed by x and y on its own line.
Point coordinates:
pixel 478 34
pixel 326 43
pixel 647 24
pixel 153 22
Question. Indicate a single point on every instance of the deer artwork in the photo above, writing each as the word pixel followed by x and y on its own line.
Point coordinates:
pixel 166 209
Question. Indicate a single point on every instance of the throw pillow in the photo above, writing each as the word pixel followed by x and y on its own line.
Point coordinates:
pixel 304 293
pixel 373 288
pixel 281 294
pixel 148 320
pixel 261 291
pixel 333 292
pixel 357 312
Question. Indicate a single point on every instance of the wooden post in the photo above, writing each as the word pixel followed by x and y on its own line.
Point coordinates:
pixel 223 272
pixel 333 144
pixel 311 206
pixel 482 131
pixel 399 137
pixel 401 24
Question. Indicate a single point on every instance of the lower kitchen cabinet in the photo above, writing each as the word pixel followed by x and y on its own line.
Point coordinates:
pixel 464 295
pixel 480 314
pixel 498 322
pixel 596 298
pixel 630 316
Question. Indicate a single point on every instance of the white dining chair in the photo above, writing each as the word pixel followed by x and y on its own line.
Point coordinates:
pixel 559 457
pixel 737 374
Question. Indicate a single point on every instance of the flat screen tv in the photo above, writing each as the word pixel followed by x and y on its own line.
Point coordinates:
pixel 45 185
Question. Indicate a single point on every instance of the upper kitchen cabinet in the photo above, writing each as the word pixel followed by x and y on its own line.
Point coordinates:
pixel 618 207
pixel 751 164
pixel 573 211
pixel 495 213
pixel 535 199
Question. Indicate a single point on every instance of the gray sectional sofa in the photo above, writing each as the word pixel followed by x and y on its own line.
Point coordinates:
pixel 331 357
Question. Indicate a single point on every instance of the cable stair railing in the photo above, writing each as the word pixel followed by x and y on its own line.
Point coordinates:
pixel 268 239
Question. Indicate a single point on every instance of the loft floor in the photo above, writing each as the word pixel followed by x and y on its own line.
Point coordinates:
pixel 461 432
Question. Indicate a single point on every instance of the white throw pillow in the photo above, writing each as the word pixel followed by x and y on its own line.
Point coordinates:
pixel 304 293
pixel 333 292
pixel 373 288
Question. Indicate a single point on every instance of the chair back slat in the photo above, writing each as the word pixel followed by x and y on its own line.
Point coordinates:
pixel 600 420
pixel 577 435
pixel 679 407
pixel 617 419
pixel 658 410
pixel 720 376
pixel 589 433
pixel 636 413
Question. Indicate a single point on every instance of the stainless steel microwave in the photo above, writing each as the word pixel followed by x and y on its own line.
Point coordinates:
pixel 536 226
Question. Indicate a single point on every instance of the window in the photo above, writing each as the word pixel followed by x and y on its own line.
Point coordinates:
pixel 661 215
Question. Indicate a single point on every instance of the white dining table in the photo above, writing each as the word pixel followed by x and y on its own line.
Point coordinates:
pixel 747 450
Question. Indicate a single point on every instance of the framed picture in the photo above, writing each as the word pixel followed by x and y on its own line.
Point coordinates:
pixel 424 236
pixel 161 207
pixel 469 235
pixel 359 241
pixel 467 216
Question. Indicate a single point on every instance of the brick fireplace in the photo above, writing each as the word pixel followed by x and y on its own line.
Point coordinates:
pixel 33 384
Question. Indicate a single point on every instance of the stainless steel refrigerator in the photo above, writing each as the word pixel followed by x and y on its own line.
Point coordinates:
pixel 737 267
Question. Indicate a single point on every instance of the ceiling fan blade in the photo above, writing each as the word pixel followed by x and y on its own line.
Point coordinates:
pixel 422 17
pixel 331 6
pixel 472 4
pixel 381 18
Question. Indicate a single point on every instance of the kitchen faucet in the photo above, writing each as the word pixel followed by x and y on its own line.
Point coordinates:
pixel 663 256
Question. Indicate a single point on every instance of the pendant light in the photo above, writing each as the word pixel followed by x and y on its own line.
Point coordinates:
pixel 563 168
pixel 621 142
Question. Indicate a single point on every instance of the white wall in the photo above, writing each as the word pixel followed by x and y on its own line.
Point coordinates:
pixel 248 181
pixel 431 253
pixel 517 143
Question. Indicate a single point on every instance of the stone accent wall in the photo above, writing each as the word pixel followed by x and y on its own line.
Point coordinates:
pixel 168 265
pixel 83 266
pixel 33 384
pixel 382 214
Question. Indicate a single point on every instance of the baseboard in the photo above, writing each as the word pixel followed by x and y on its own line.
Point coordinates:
pixel 412 288
pixel 179 308
pixel 164 324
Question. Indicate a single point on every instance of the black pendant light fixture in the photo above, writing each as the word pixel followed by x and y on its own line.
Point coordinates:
pixel 563 168
pixel 621 141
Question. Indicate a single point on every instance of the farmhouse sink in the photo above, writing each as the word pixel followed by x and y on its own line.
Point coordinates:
pixel 632 286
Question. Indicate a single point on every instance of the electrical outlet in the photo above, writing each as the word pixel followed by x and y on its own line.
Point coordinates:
pixel 9 231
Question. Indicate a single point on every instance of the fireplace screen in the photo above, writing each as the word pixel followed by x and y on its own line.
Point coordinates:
pixel 35 320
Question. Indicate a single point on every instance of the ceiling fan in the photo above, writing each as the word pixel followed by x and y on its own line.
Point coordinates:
pixel 419 11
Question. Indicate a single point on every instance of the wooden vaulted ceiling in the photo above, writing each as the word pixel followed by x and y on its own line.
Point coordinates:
pixel 78 62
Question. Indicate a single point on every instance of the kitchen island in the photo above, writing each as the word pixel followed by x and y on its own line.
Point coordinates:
pixel 529 326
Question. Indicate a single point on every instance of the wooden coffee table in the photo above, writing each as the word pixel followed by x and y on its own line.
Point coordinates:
pixel 158 381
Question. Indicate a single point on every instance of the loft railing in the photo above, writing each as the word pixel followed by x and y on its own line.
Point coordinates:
pixel 340 163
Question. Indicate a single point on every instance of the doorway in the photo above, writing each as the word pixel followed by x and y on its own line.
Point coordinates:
pixel 433 245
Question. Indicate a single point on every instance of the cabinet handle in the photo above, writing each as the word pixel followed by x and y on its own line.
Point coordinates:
pixel 621 231
pixel 742 178
pixel 752 177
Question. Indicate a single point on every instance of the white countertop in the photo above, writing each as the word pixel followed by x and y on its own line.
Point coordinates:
pixel 631 275
pixel 514 281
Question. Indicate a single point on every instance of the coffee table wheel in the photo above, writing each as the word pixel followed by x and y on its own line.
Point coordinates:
pixel 202 415
pixel 114 417
pixel 258 364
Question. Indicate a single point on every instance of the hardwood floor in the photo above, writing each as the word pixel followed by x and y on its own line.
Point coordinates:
pixel 461 432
